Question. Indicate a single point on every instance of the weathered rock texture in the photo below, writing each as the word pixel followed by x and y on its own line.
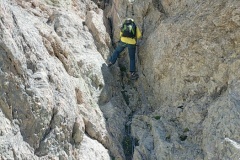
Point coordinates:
pixel 52 83
pixel 59 100
pixel 190 59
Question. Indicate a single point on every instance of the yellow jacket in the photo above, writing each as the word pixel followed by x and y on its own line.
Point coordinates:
pixel 131 40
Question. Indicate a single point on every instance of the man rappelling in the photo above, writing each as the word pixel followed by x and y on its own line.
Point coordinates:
pixel 128 38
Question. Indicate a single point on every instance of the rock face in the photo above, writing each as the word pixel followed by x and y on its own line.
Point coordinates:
pixel 52 83
pixel 59 100
pixel 191 64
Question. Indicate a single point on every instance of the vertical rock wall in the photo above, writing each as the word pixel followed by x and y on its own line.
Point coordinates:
pixel 59 100
pixel 189 69
pixel 54 81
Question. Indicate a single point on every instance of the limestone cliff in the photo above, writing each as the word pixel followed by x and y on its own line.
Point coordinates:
pixel 59 100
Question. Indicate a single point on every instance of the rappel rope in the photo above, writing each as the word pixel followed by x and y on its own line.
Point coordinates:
pixel 114 6
pixel 126 15
pixel 132 11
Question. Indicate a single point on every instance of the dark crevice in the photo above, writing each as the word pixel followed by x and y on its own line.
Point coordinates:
pixel 158 5
pixel 15 20
pixel 47 132
pixel 2 20
pixel 31 66
pixel 54 112
pixel 100 3
pixel 111 31
pixel 128 142
pixel 219 91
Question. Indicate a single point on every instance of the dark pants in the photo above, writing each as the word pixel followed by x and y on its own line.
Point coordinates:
pixel 131 51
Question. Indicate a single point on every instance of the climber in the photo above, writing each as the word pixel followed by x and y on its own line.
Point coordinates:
pixel 128 38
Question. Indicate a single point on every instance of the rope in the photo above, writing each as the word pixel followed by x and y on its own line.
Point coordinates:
pixel 132 11
pixel 114 6
pixel 126 14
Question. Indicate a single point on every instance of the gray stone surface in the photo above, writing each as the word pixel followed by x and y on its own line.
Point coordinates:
pixel 59 100
pixel 52 83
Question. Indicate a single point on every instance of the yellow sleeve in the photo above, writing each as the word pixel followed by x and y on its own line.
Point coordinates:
pixel 139 34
